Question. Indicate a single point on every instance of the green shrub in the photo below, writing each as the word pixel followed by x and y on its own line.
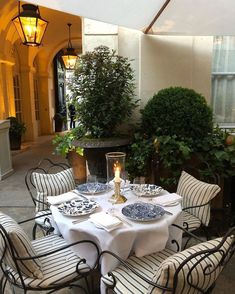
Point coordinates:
pixel 177 111
pixel 103 88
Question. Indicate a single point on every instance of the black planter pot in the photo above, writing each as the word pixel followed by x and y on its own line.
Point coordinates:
pixel 15 142
pixel 95 150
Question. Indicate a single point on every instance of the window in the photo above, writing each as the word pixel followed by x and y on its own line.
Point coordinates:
pixel 223 80
pixel 36 99
pixel 18 101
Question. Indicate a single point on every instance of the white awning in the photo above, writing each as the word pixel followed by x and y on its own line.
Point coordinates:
pixel 179 17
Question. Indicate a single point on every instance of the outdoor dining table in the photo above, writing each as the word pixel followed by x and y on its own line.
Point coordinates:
pixel 132 237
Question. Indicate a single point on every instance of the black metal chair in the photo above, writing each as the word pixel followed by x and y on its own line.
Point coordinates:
pixel 194 270
pixel 43 214
pixel 196 200
pixel 45 264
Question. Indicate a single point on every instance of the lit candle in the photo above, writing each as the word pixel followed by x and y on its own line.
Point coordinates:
pixel 117 174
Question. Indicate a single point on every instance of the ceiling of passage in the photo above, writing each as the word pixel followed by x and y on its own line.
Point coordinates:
pixel 179 17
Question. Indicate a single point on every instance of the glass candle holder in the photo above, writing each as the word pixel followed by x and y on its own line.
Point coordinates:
pixel 115 163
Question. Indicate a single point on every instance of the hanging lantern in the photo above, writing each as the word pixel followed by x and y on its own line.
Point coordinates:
pixel 69 57
pixel 29 24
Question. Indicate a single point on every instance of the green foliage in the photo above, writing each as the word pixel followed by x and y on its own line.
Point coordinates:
pixel 103 88
pixel 65 143
pixel 138 156
pixel 219 153
pixel 17 128
pixel 177 111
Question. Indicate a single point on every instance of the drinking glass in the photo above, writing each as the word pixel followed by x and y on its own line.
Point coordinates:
pixel 138 186
pixel 92 184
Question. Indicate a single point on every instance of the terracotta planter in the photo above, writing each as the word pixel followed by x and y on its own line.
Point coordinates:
pixel 78 163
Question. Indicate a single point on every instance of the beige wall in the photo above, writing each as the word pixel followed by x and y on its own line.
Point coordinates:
pixel 175 61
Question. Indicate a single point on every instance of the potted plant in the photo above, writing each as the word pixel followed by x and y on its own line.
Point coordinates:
pixel 102 89
pixel 16 130
pixel 65 147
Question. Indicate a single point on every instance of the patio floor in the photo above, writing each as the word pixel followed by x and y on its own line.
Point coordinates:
pixel 15 200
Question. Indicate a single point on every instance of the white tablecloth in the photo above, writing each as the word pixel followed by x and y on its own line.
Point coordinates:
pixel 141 238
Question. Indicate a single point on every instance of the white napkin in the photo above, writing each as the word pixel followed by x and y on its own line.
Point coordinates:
pixel 54 200
pixel 167 199
pixel 105 221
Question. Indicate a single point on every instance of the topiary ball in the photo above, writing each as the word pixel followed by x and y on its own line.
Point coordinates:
pixel 177 111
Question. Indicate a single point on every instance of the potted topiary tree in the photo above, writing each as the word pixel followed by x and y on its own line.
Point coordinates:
pixel 16 130
pixel 102 89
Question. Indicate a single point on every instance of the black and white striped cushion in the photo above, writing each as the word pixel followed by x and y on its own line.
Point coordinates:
pixel 209 265
pixel 190 222
pixel 52 185
pixel 195 192
pixel 58 268
pixel 22 248
pixel 127 282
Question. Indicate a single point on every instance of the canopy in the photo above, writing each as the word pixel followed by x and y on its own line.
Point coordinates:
pixel 168 17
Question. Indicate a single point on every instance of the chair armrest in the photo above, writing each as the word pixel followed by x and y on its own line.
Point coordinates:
pixel 33 218
pixel 129 267
pixel 195 206
pixel 191 235
pixel 60 249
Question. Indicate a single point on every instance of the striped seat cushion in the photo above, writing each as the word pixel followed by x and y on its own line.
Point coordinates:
pixel 190 222
pixel 52 185
pixel 203 274
pixel 195 192
pixel 22 248
pixel 58 268
pixel 127 282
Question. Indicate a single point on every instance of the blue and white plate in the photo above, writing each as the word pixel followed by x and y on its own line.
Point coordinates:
pixel 78 207
pixel 100 188
pixel 142 211
pixel 146 190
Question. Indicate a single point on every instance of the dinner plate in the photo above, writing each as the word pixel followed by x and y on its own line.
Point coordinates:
pixel 141 211
pixel 146 190
pixel 77 207
pixel 100 188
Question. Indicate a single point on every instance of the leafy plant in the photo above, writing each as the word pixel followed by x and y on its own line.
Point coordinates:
pixel 103 88
pixel 17 128
pixel 65 143
pixel 177 111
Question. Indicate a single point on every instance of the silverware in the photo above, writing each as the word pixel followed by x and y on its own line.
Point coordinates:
pixel 122 220
pixel 79 194
pixel 168 212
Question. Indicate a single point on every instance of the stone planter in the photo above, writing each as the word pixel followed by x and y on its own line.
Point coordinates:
pixel 95 150
pixel 78 163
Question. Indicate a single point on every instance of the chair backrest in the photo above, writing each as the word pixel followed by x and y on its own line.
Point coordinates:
pixel 195 269
pixel 45 166
pixel 196 196
pixel 14 243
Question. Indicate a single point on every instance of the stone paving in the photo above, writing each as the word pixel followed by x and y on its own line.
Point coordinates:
pixel 15 201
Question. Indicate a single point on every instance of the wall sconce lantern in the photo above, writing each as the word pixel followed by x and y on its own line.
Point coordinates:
pixel 69 56
pixel 29 24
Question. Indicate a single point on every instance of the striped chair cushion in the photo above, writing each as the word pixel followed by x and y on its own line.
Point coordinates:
pixel 22 247
pixel 58 268
pixel 52 185
pixel 195 192
pixel 165 273
pixel 190 222
pixel 127 282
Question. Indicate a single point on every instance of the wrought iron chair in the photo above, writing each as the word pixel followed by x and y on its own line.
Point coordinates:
pixel 194 270
pixel 45 264
pixel 45 167
pixel 196 199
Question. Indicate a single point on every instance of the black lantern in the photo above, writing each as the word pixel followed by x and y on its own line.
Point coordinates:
pixel 29 24
pixel 69 56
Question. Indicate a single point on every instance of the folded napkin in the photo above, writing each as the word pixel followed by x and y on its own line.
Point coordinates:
pixel 54 200
pixel 105 221
pixel 167 199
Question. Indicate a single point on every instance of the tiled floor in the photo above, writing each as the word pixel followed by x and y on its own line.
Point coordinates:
pixel 15 200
